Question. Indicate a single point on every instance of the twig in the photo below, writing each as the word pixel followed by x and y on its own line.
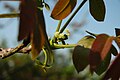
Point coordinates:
pixel 20 48
pixel 10 51
pixel 10 15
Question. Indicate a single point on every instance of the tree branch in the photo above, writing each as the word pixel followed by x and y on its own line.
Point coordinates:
pixel 4 53
pixel 20 48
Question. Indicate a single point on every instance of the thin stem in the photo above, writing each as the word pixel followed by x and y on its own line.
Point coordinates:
pixel 11 15
pixel 45 62
pixel 59 24
pixel 91 33
pixel 17 49
pixel 64 46
pixel 57 30
pixel 66 24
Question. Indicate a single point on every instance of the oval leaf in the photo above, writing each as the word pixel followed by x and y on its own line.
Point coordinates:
pixel 63 8
pixel 114 70
pixel 80 58
pixel 99 50
pixel 97 9
pixel 27 18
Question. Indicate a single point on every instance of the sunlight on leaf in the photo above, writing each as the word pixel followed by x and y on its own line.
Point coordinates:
pixel 63 8
pixel 97 9
pixel 86 41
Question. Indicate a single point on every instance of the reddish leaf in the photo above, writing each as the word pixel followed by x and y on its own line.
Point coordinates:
pixel 38 41
pixel 117 31
pixel 63 8
pixel 38 37
pixel 100 48
pixel 32 23
pixel 114 70
pixel 27 18
pixel 80 58
pixel 97 9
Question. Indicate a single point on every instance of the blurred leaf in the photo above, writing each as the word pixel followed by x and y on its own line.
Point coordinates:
pixel 27 18
pixel 117 31
pixel 63 8
pixel 86 41
pixel 97 9
pixel 113 50
pixel 80 58
pixel 103 65
pixel 47 6
pixel 117 40
pixel 114 70
pixel 99 50
pixel 31 25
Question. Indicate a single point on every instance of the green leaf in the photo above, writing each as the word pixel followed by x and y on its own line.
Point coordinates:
pixel 80 58
pixel 103 65
pixel 47 6
pixel 97 9
pixel 99 50
pixel 63 8
pixel 86 41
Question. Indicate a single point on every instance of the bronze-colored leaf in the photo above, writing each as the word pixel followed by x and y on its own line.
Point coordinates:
pixel 117 40
pixel 63 8
pixel 113 72
pixel 80 58
pixel 99 50
pixel 38 37
pixel 37 41
pixel 97 9
pixel 27 18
